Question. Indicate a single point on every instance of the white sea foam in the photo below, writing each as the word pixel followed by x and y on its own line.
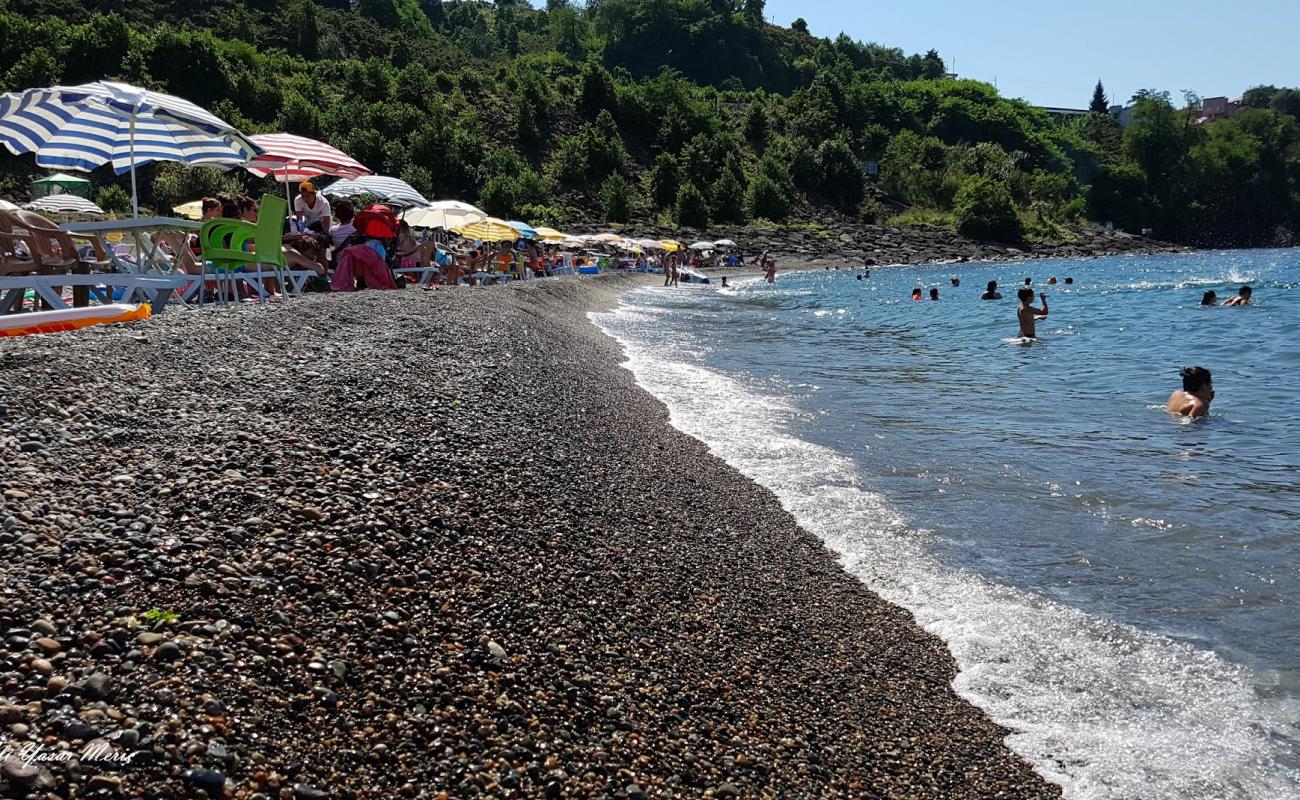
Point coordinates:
pixel 1103 709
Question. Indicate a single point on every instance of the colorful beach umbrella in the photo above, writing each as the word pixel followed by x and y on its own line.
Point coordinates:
pixel 86 126
pixel 393 191
pixel 191 210
pixel 445 214
pixel 525 230
pixel 488 230
pixel 290 158
pixel 671 245
pixel 550 235
pixel 67 205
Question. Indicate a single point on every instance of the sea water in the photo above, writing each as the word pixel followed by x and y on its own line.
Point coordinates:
pixel 1119 586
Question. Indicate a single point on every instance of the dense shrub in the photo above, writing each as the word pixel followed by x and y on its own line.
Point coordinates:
pixel 983 209
pixel 767 200
pixel 692 208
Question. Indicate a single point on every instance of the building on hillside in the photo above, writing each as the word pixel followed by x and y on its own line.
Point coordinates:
pixel 1122 114
pixel 1063 114
pixel 1213 108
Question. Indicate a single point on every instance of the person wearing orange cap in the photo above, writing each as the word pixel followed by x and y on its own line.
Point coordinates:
pixel 310 210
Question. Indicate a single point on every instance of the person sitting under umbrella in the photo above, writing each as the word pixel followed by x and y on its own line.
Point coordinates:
pixel 310 210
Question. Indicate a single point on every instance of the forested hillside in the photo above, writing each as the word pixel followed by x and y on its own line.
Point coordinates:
pixel 685 111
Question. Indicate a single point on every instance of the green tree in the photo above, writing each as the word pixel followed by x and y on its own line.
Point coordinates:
pixel 841 174
pixel 114 199
pixel 1099 104
pixel 757 125
pixel 616 198
pixel 692 208
pixel 665 180
pixel 767 200
pixel 728 199
pixel 983 209
pixel 499 196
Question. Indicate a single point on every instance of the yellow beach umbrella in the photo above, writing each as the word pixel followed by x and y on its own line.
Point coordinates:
pixel 489 230
pixel 550 235
pixel 670 245
pixel 191 210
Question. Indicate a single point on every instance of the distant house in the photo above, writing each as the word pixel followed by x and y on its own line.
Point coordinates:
pixel 1213 108
pixel 1122 114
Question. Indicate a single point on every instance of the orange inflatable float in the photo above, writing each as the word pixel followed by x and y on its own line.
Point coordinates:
pixel 69 319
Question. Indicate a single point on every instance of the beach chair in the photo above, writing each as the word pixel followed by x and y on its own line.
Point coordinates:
pixel 223 241
pixel 47 252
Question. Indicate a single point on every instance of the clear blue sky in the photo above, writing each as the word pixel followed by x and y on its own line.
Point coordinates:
pixel 1052 52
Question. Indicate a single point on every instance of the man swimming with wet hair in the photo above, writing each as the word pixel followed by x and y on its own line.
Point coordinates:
pixel 1027 314
pixel 1242 298
pixel 1193 400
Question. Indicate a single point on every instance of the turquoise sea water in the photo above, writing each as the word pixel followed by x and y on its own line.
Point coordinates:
pixel 1119 586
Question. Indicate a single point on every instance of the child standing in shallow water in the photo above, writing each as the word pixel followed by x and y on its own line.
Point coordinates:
pixel 1027 314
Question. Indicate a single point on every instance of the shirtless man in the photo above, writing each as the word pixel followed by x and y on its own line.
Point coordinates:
pixel 1193 400
pixel 1028 314
pixel 992 293
pixel 1242 298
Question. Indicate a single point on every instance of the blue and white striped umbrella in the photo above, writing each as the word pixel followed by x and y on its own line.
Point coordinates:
pixel 394 191
pixel 87 126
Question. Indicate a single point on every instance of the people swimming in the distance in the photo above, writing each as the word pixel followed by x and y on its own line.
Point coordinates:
pixel 1242 298
pixel 1193 400
pixel 1210 299
pixel 1051 281
pixel 955 281
pixel 934 292
pixel 1029 281
pixel 1069 281
pixel 916 293
pixel 991 293
pixel 724 281
pixel 1028 314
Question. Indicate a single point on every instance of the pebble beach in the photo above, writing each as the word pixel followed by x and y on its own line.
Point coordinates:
pixel 429 544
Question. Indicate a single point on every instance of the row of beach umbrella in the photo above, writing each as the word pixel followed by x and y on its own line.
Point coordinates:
pixel 87 126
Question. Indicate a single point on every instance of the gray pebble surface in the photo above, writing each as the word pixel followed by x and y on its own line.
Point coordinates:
pixel 430 544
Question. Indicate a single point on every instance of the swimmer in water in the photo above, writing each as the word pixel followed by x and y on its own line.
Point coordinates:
pixel 1210 299
pixel 1027 314
pixel 955 281
pixel 1242 298
pixel 1051 281
pixel 992 293
pixel 934 292
pixel 1029 281
pixel 1193 400
pixel 1069 281
pixel 916 293
pixel 724 281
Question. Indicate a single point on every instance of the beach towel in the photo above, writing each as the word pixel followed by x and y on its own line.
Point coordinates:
pixel 361 262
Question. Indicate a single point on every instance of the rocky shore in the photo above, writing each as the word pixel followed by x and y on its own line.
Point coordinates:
pixel 428 544
pixel 854 244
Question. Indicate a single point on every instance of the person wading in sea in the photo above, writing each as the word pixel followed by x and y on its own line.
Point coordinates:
pixel 1193 400
pixel 1028 314
pixel 992 293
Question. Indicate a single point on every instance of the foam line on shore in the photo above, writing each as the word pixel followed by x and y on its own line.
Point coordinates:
pixel 1103 709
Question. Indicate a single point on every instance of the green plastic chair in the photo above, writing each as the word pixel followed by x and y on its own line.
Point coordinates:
pixel 223 240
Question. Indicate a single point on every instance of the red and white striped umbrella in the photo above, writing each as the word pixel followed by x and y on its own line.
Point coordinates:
pixel 289 158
